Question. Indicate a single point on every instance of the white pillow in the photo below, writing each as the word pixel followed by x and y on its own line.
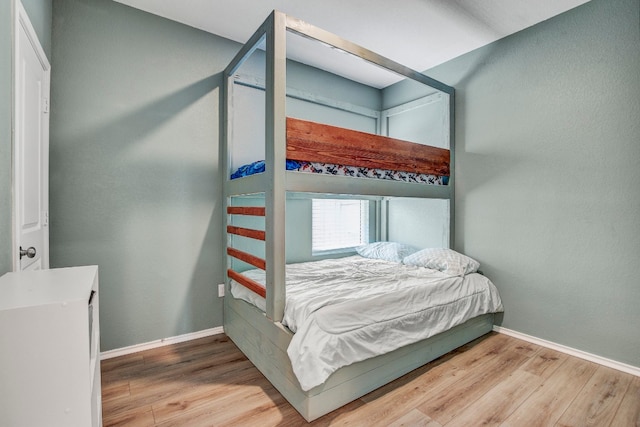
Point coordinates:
pixel 388 251
pixel 446 260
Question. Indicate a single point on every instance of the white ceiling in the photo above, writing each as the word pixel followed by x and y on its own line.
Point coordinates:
pixel 417 33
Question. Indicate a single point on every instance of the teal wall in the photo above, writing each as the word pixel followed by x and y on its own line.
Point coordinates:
pixel 548 183
pixel 135 179
pixel 135 185
pixel 39 12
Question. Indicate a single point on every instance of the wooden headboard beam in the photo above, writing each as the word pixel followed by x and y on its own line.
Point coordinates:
pixel 317 142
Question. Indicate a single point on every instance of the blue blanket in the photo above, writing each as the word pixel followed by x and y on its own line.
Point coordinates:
pixel 258 167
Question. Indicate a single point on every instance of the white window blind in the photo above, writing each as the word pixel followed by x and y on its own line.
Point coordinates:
pixel 339 224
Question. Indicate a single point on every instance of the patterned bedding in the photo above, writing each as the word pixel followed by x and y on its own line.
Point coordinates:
pixel 341 170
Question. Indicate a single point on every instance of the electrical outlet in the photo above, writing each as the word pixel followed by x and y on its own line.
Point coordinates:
pixel 221 290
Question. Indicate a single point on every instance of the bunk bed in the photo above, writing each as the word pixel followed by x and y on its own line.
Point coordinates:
pixel 255 299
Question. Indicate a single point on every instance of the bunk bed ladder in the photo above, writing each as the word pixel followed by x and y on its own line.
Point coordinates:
pixel 258 262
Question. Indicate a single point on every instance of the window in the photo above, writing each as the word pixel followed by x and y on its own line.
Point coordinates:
pixel 339 224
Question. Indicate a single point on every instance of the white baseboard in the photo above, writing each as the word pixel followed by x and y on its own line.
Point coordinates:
pixel 629 369
pixel 160 343
pixel 633 370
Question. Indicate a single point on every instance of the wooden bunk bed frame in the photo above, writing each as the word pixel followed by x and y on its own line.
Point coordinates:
pixel 261 336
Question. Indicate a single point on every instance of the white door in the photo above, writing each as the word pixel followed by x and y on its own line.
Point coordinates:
pixel 30 147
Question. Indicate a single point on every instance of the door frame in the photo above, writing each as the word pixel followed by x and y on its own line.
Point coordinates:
pixel 21 19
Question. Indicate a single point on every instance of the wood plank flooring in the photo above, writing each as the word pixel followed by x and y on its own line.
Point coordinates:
pixel 496 380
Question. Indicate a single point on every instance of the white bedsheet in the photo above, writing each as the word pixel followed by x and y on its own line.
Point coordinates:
pixel 350 309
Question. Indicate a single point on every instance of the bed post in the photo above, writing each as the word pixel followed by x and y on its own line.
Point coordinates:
pixel 452 167
pixel 275 151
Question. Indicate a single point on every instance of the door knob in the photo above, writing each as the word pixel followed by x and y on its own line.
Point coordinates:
pixel 30 253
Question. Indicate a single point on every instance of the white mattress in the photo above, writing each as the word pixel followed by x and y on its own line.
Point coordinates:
pixel 350 309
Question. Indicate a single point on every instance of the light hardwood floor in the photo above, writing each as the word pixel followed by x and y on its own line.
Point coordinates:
pixel 495 380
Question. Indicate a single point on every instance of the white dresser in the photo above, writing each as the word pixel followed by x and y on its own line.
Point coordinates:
pixel 50 348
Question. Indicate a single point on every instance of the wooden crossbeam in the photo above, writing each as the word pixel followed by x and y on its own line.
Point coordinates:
pixel 317 142
pixel 246 210
pixel 247 257
pixel 248 283
pixel 246 232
